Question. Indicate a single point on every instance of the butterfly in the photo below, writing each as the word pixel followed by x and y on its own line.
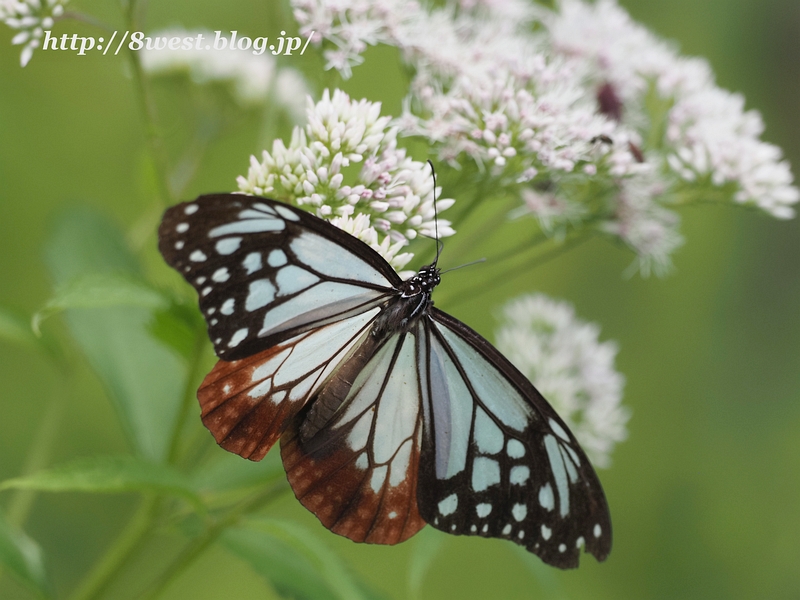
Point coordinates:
pixel 391 414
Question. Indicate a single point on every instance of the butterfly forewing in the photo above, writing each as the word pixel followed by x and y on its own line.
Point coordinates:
pixel 265 271
pixel 496 459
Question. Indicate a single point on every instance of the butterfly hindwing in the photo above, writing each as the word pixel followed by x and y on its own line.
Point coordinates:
pixel 265 271
pixel 497 461
pixel 248 403
pixel 353 459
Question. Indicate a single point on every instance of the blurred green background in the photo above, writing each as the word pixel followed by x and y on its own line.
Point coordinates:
pixel 705 493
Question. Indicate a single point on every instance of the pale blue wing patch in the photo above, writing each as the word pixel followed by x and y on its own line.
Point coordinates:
pixel 500 466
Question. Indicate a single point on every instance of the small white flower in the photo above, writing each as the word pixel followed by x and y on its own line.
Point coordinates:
pixel 648 228
pixel 573 370
pixel 709 134
pixel 388 202
pixel 251 77
pixel 32 18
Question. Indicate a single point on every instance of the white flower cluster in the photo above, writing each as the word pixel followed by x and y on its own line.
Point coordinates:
pixel 350 26
pixel 567 363
pixel 386 203
pixel 552 104
pixel 32 18
pixel 709 135
pixel 251 77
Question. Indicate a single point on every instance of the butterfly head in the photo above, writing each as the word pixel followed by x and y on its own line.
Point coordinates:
pixel 423 282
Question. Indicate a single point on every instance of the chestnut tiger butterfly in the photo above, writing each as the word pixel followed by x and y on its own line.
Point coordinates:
pixel 391 414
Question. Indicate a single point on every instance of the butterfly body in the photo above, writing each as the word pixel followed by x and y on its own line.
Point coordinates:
pixel 391 414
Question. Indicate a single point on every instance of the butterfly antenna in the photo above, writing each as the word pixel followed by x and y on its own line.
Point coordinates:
pixel 469 264
pixel 439 243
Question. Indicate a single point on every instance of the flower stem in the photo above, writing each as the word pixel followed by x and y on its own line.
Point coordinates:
pixel 202 542
pixel 147 106
pixel 116 557
pixel 189 393
pixel 508 274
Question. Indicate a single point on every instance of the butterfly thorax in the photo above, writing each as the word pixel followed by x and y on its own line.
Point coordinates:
pixel 413 303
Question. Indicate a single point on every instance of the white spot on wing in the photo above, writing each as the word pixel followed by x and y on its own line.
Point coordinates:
pixel 562 547
pixel 448 505
pixel 227 306
pixel 262 389
pixel 359 434
pixel 507 529
pixel 546 532
pixel 515 449
pixel 268 368
pixel 248 226
pixel 315 251
pixel 291 279
pixel 179 245
pixel 228 245
pixel 546 498
pixel 252 262
pixel 558 430
pixel 483 509
pixel 485 473
pixel 190 209
pixel 392 515
pixel 597 530
pixel 238 337
pixel 519 474
pixel 520 511
pixel 260 293
pixel 400 464
pixel 487 434
pixel 559 472
pixel 378 477
pixel 362 462
pixel 221 275
pixel 286 213
pixel 277 258
pixel 580 542
pixel 197 256
pixel 182 227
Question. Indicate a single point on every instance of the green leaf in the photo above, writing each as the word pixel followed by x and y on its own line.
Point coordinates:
pixel 178 327
pixel 427 545
pixel 22 557
pixel 294 561
pixel 99 290
pixel 16 328
pixel 144 378
pixel 110 475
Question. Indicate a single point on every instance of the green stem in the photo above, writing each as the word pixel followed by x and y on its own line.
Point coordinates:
pixel 506 275
pixel 147 106
pixel 116 557
pixel 38 456
pixel 189 394
pixel 201 543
